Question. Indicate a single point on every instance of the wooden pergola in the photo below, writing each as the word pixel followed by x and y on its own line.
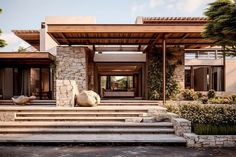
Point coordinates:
pixel 30 36
pixel 134 37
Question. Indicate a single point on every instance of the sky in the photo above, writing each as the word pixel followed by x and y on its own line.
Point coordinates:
pixel 28 14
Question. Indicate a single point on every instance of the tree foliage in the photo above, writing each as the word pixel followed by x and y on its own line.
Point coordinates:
pixel 2 42
pixel 221 25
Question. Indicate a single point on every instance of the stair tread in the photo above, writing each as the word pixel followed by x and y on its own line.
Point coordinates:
pixel 75 113
pixel 84 130
pixel 96 108
pixel 61 118
pixel 91 138
pixel 124 124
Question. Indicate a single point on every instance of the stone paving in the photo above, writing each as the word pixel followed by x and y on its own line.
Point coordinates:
pixel 112 151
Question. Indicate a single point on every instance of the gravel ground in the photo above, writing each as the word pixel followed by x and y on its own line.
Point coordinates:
pixel 112 151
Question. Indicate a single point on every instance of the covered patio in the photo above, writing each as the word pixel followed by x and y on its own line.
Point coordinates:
pixel 160 32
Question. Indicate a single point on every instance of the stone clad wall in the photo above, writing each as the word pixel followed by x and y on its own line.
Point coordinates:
pixel 179 70
pixel 194 140
pixel 71 74
pixel 181 126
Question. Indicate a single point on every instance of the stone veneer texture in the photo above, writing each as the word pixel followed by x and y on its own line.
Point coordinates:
pixel 194 140
pixel 71 74
pixel 181 126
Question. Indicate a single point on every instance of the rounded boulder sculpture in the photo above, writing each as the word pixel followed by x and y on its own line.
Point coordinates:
pixel 22 100
pixel 88 99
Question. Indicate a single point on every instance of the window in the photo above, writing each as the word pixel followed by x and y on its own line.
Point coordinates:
pixel 117 83
pixel 204 78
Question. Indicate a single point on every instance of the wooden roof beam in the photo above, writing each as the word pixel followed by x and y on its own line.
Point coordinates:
pixel 64 38
pixel 152 42
pixel 123 38
pixel 125 28
pixel 130 49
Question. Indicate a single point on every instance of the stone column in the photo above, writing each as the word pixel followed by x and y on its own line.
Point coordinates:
pixel 71 74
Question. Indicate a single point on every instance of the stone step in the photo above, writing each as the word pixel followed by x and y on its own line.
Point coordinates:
pixel 73 118
pixel 82 109
pixel 33 102
pixel 88 130
pixel 92 138
pixel 129 104
pixel 79 114
pixel 62 124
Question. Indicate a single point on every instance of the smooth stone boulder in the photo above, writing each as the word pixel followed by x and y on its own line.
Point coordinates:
pixel 22 100
pixel 88 99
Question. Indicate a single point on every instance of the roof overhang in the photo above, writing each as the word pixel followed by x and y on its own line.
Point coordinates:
pixel 33 58
pixel 129 34
pixel 30 36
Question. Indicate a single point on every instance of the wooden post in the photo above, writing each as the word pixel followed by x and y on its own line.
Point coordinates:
pixel 164 70
pixel 224 68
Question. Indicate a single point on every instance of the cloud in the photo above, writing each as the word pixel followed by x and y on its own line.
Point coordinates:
pixel 13 42
pixel 187 7
pixel 155 3
pixel 138 9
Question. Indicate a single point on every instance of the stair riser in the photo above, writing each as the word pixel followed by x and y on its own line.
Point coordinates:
pixel 70 120
pixel 78 115
pixel 68 132
pixel 85 127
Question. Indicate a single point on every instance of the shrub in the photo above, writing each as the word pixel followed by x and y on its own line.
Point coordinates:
pixel 205 100
pixel 233 97
pixel 206 129
pixel 220 100
pixel 190 94
pixel 207 119
pixel 209 114
pixel 154 95
pixel 211 94
pixel 172 108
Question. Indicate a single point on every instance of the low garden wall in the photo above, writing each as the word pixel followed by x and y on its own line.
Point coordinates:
pixel 213 125
pixel 194 140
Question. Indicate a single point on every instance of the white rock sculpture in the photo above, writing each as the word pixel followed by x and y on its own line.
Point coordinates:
pixel 88 99
pixel 22 100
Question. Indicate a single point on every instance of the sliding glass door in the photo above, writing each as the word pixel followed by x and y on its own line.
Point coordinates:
pixel 26 81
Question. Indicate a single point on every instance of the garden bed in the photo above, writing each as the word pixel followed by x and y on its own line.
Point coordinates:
pixel 207 119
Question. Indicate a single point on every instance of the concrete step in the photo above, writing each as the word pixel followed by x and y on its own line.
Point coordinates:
pixel 92 138
pixel 72 118
pixel 82 109
pixel 33 102
pixel 129 104
pixel 79 114
pixel 62 124
pixel 88 130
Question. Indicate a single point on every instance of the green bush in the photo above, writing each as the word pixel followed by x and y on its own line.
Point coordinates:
pixel 205 100
pixel 208 114
pixel 211 94
pixel 206 129
pixel 205 114
pixel 220 100
pixel 190 94
pixel 207 119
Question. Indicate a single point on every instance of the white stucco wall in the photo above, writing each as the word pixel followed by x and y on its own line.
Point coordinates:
pixel 230 75
pixel 47 43
pixel 70 20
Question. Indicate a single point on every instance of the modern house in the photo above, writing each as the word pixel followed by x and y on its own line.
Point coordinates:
pixel 114 60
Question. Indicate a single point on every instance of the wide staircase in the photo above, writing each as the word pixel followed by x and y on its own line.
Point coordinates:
pixel 113 121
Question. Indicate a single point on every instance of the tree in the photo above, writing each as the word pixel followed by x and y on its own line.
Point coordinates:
pixel 21 49
pixel 2 42
pixel 221 25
